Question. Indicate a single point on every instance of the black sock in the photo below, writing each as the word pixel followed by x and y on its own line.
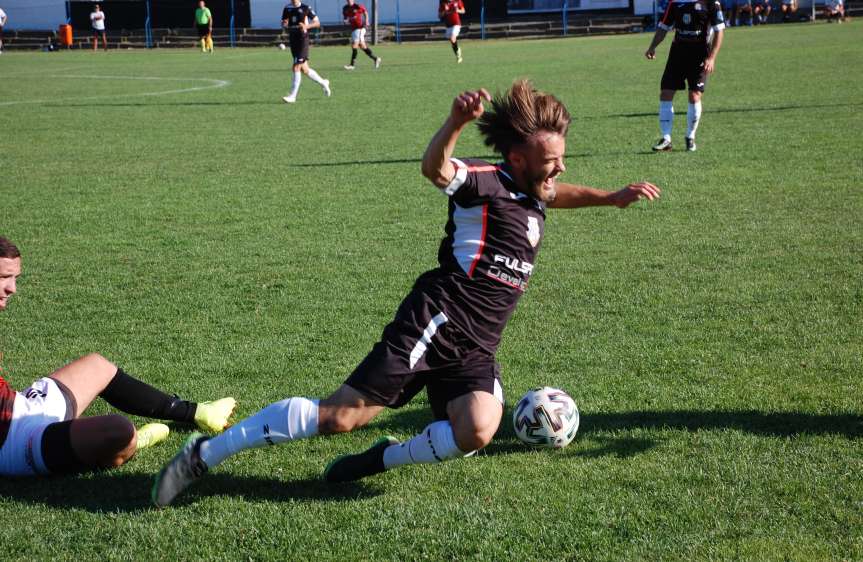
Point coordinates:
pixel 454 47
pixel 132 396
pixel 369 53
pixel 353 56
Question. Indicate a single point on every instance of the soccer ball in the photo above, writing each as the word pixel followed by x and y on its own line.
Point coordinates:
pixel 546 417
pixel 282 46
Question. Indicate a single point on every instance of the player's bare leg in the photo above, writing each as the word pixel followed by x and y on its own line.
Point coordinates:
pixel 666 120
pixel 693 117
pixel 473 421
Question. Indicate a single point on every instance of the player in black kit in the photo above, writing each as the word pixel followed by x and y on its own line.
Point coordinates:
pixel 298 19
pixel 445 333
pixel 700 26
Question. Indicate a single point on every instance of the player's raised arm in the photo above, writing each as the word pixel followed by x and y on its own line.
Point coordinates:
pixel 570 196
pixel 436 164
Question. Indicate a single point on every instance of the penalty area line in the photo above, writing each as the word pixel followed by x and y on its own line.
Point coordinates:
pixel 212 83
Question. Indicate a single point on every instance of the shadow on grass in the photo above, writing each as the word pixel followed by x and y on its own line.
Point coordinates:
pixel 128 493
pixel 776 424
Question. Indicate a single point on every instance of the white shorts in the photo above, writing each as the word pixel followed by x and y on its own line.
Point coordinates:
pixel 452 32
pixel 34 409
pixel 358 35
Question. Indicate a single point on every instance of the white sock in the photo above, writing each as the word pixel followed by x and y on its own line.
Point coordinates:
pixel 295 87
pixel 693 116
pixel 292 418
pixel 666 118
pixel 316 77
pixel 435 444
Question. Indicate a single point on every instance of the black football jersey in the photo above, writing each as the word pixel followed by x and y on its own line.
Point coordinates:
pixel 693 20
pixel 297 14
pixel 493 235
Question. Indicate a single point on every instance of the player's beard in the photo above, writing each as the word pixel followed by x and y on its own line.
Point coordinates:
pixel 544 187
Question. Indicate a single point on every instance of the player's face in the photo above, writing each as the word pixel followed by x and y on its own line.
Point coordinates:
pixel 537 164
pixel 10 269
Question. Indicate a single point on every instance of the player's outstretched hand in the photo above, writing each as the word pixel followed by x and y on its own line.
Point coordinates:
pixel 650 54
pixel 633 192
pixel 468 106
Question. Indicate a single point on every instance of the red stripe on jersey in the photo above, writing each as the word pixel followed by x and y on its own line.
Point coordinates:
pixel 481 240
pixel 664 18
pixel 491 168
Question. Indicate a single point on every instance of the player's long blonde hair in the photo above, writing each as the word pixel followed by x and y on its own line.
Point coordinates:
pixel 520 113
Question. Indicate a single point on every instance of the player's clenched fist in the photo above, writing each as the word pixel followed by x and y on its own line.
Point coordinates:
pixel 468 106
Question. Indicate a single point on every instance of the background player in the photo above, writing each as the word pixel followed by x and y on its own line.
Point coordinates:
pixel 204 23
pixel 700 27
pixel 3 19
pixel 356 16
pixel 789 8
pixel 298 19
pixel 445 334
pixel 41 431
pixel 450 12
pixel 97 22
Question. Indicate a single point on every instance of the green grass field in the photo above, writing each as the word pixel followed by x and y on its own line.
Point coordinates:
pixel 176 217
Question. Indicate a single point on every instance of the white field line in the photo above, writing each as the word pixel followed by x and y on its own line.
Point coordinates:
pixel 212 83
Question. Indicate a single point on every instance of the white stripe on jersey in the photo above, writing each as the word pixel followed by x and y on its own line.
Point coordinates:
pixel 459 178
pixel 469 236
pixel 423 343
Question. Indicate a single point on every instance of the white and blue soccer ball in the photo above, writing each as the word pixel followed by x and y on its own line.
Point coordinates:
pixel 546 417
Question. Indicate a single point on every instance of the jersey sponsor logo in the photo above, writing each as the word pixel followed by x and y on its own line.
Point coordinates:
pixel 507 278
pixel 519 266
pixel 533 234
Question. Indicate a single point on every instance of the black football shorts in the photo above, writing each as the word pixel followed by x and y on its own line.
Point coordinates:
pixel 420 349
pixel 685 65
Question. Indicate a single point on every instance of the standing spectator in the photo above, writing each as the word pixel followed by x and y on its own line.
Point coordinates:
pixel 450 12
pixel 789 8
pixel 3 19
pixel 762 11
pixel 834 9
pixel 97 21
pixel 204 22
pixel 357 17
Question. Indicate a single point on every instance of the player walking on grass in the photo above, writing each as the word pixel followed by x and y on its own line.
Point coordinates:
pixel 41 431
pixel 356 16
pixel 445 333
pixel 298 19
pixel 450 12
pixel 204 23
pixel 700 26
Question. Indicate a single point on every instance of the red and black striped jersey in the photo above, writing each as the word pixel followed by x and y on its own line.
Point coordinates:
pixel 693 20
pixel 448 10
pixel 354 14
pixel 493 235
pixel 7 401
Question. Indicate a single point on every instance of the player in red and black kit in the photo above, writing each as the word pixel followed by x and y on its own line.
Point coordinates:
pixel 298 19
pixel 356 16
pixel 700 26
pixel 41 431
pixel 450 12
pixel 446 331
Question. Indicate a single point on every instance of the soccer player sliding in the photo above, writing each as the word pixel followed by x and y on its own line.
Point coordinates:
pixel 446 331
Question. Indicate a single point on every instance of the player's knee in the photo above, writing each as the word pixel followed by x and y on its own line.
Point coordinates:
pixel 119 438
pixel 338 421
pixel 473 438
